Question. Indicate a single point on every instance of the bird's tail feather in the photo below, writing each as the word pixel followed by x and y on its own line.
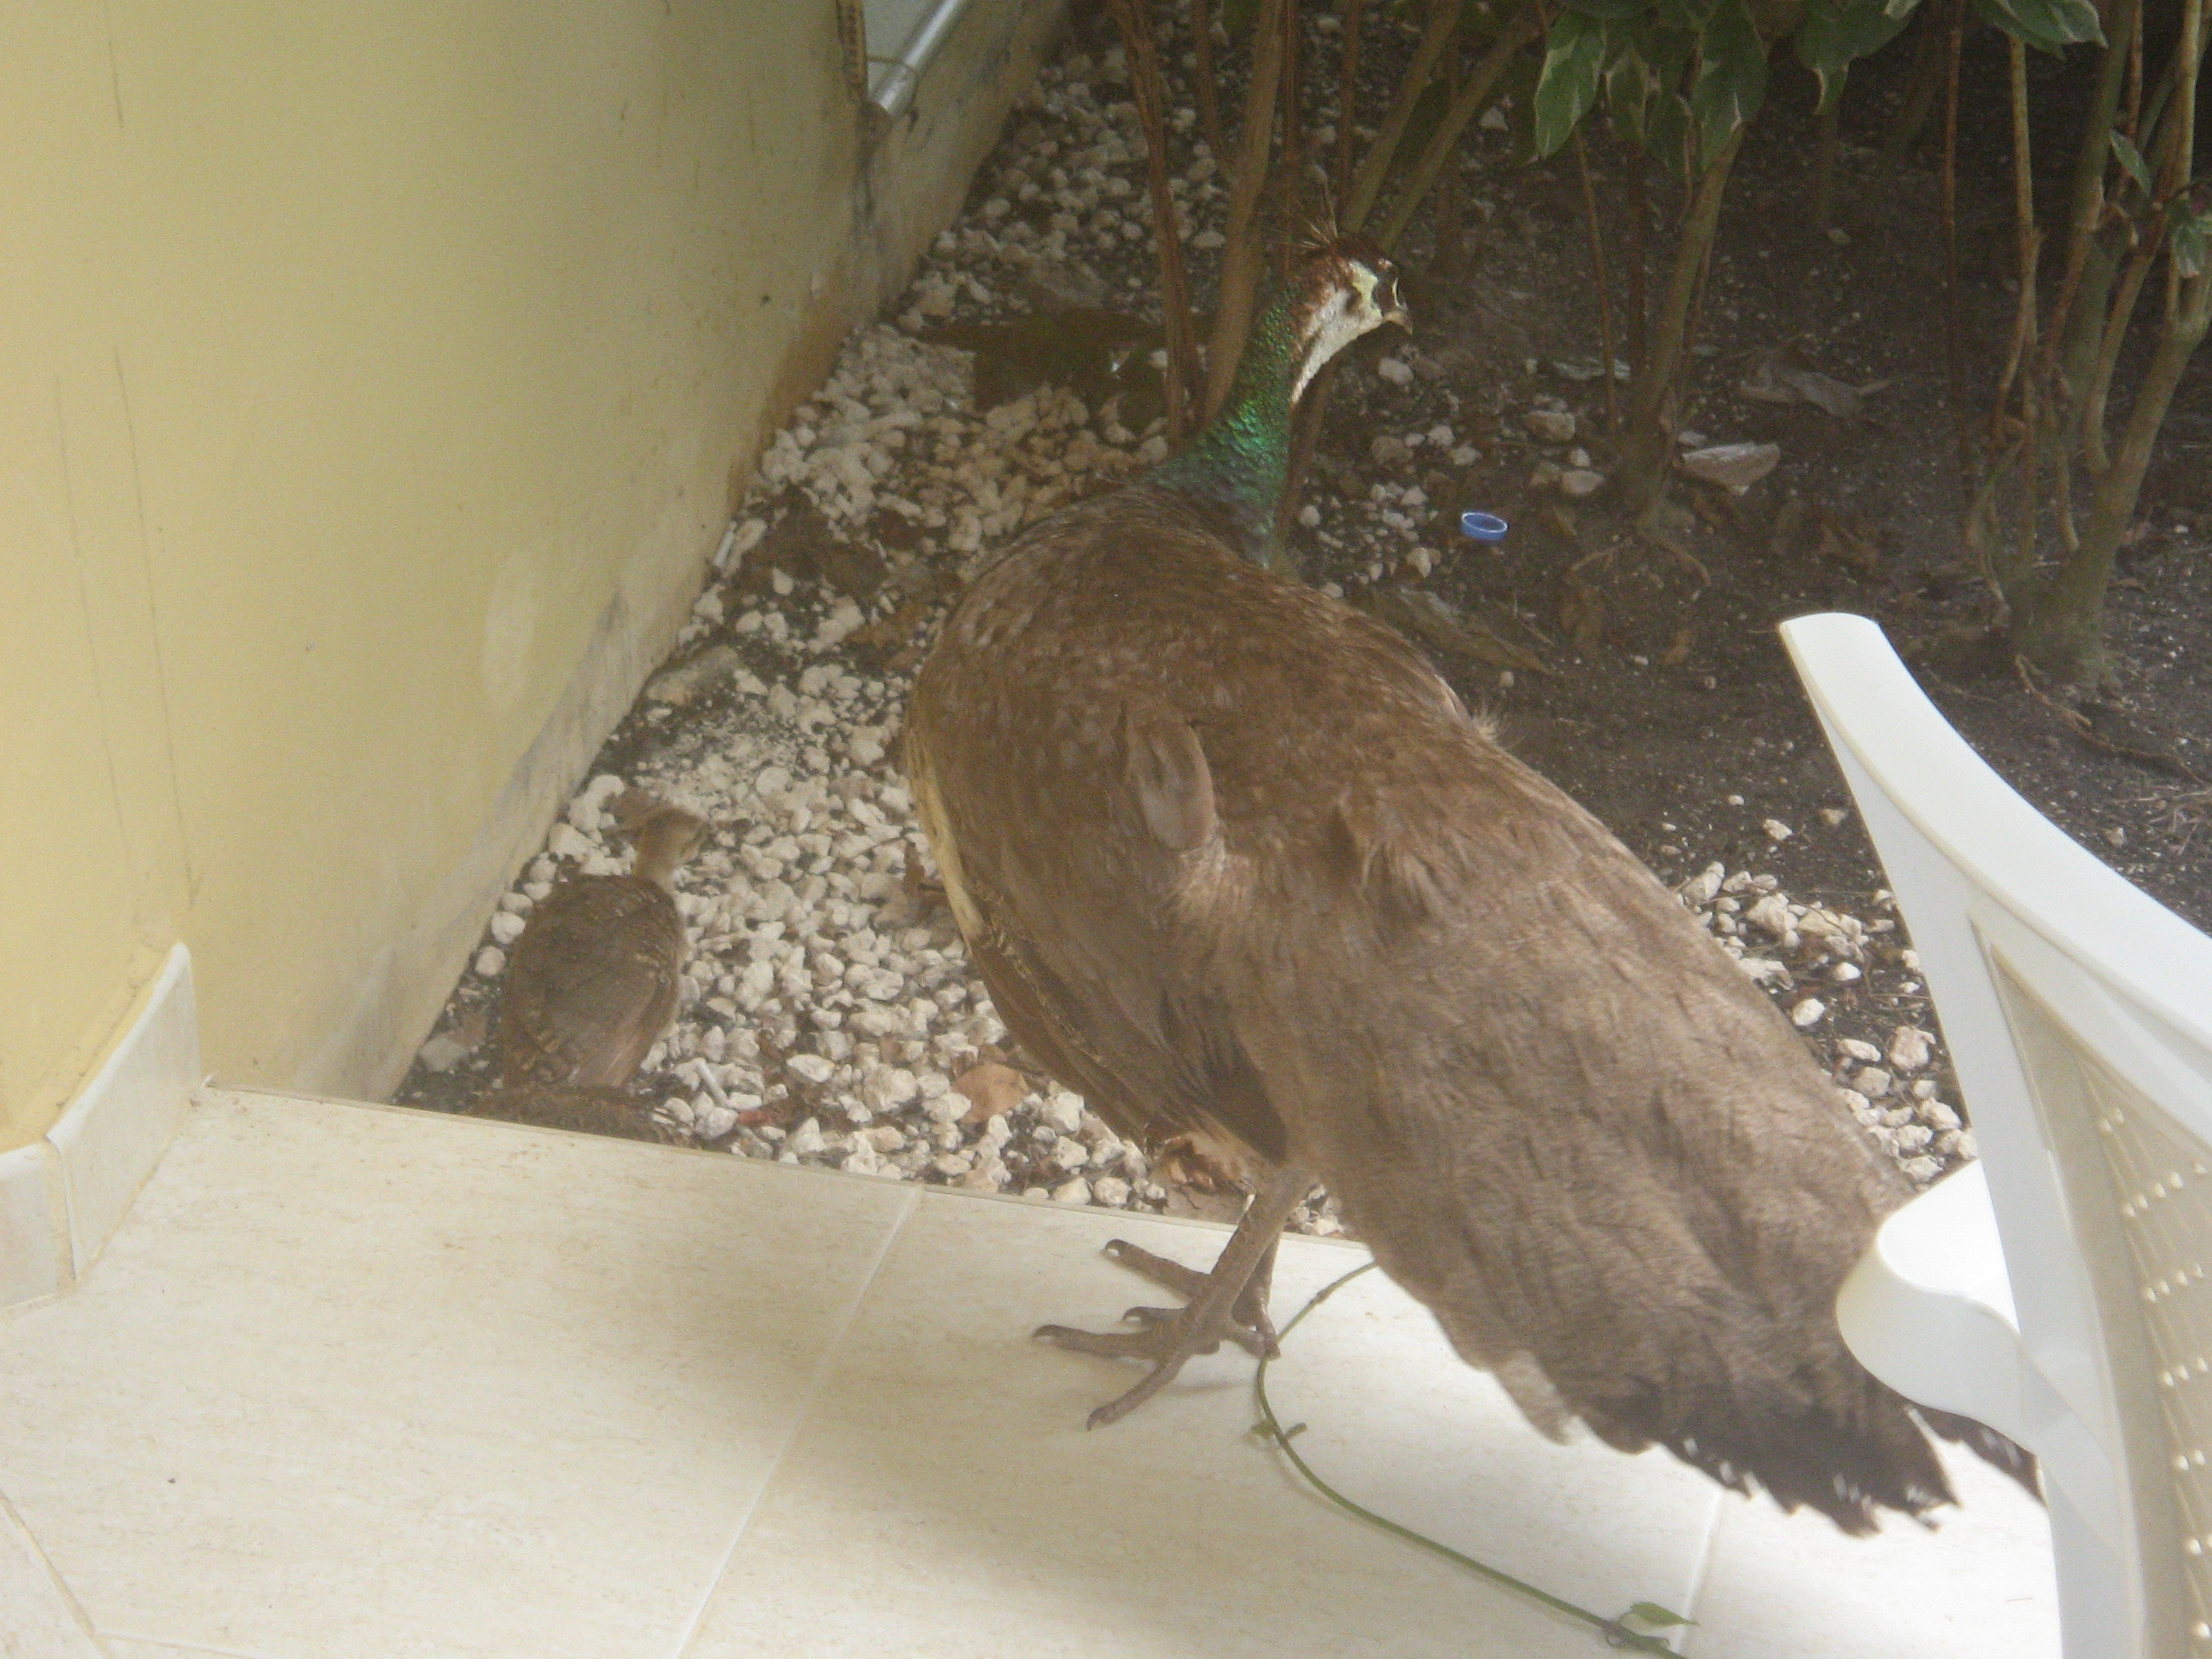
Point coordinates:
pixel 1850 1456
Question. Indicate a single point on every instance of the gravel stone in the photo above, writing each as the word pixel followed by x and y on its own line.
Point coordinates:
pixel 1064 1112
pixel 1910 1047
pixel 443 1052
pixel 1551 426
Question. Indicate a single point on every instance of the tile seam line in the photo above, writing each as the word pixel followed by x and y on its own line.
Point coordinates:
pixel 822 1372
pixel 170 1643
pixel 11 1515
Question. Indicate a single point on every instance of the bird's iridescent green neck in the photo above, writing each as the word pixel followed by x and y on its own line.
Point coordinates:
pixel 1238 466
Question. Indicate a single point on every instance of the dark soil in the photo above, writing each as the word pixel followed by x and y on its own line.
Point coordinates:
pixel 1671 710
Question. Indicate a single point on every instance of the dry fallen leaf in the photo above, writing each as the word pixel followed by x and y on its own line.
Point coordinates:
pixel 1788 519
pixel 892 630
pixel 921 890
pixel 1738 466
pixel 1179 1162
pixel 1420 614
pixel 1678 652
pixel 1772 383
pixel 991 1088
pixel 1825 393
pixel 1847 543
pixel 1582 614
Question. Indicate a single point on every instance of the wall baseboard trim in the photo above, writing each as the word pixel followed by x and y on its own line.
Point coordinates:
pixel 61 1197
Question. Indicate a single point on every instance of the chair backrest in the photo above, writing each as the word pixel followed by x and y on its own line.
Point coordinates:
pixel 2078 1012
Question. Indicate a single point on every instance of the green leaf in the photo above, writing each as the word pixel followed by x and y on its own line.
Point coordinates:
pixel 1667 123
pixel 2189 231
pixel 1901 9
pixel 1671 50
pixel 1647 67
pixel 2131 158
pixel 1658 1618
pixel 1630 83
pixel 1518 98
pixel 1731 76
pixel 2067 22
pixel 1236 16
pixel 2049 26
pixel 1608 9
pixel 1670 123
pixel 1836 33
pixel 1574 58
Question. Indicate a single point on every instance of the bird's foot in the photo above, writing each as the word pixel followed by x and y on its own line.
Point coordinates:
pixel 1219 1310
pixel 1248 1326
pixel 1229 1300
pixel 1170 1337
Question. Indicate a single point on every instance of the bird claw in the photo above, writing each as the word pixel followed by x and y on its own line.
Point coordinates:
pixel 1259 1342
pixel 1249 1328
pixel 1169 1336
pixel 1228 1304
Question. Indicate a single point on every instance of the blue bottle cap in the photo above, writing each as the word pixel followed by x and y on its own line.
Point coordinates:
pixel 1483 526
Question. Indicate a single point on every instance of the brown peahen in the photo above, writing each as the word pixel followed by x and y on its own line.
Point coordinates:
pixel 1233 860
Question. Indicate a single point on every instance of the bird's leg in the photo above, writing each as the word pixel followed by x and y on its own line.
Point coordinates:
pixel 1229 1303
pixel 1250 1328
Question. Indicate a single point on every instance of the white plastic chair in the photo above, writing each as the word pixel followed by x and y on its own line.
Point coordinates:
pixel 2078 1011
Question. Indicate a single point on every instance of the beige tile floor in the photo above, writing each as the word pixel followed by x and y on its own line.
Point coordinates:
pixel 354 1383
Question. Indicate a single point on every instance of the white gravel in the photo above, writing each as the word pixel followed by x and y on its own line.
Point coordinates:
pixel 1893 1086
pixel 826 1012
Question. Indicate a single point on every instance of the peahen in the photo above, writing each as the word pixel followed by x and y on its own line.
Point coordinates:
pixel 1234 861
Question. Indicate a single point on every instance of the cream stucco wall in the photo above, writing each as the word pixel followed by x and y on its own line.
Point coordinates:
pixel 373 379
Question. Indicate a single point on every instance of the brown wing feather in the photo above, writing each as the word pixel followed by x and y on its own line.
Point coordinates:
pixel 1100 1001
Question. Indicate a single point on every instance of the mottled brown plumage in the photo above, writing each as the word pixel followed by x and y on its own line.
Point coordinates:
pixel 1232 858
pixel 592 982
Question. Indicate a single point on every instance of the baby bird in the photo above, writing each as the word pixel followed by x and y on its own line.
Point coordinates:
pixel 592 982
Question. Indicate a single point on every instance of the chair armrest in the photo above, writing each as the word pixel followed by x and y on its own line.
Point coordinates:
pixel 1929 1309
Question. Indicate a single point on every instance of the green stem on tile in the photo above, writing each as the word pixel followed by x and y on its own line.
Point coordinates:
pixel 1616 1633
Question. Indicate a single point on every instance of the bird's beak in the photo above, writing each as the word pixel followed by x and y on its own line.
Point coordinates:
pixel 1394 306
